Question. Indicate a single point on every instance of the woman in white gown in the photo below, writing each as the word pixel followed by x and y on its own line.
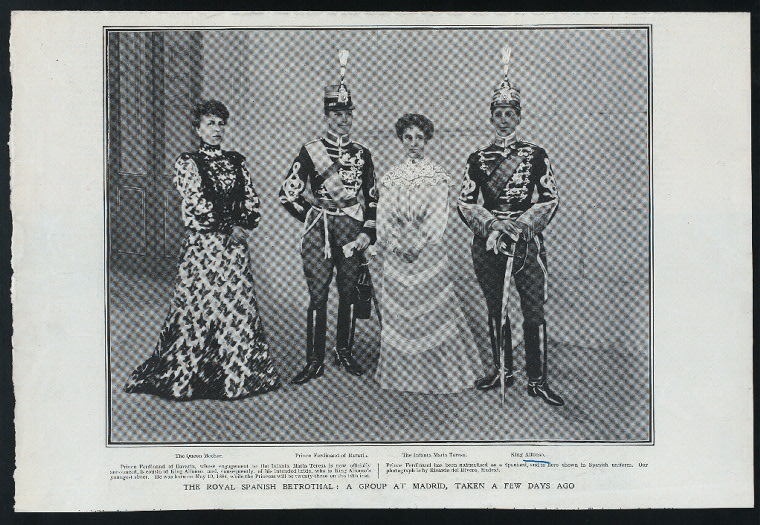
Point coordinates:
pixel 425 343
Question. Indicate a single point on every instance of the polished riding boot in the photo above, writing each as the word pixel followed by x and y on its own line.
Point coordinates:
pixel 542 390
pixel 343 329
pixel 491 381
pixel 344 340
pixel 314 356
pixel 536 358
pixel 534 353
pixel 348 362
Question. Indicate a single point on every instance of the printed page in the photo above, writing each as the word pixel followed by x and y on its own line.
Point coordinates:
pixel 199 321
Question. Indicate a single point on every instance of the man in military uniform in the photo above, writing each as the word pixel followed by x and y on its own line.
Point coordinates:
pixel 519 199
pixel 337 225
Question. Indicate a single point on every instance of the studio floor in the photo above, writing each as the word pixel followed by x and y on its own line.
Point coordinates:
pixel 606 390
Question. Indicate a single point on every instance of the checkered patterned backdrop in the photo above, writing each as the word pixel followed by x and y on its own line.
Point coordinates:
pixel 585 97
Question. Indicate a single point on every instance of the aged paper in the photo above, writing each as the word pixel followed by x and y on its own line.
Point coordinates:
pixel 647 337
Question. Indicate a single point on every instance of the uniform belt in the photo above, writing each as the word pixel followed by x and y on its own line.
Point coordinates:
pixel 329 211
pixel 322 213
pixel 499 214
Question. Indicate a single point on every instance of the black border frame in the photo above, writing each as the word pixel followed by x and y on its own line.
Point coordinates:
pixel 114 444
pixel 482 517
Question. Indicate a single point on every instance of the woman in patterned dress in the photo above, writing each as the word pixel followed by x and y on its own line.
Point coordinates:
pixel 212 344
pixel 425 343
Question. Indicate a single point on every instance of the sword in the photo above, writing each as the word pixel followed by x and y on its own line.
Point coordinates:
pixel 374 294
pixel 372 285
pixel 352 331
pixel 506 247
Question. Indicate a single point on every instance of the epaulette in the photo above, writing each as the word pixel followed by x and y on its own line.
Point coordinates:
pixel 477 151
pixel 313 141
pixel 526 144
pixel 474 156
pixel 362 146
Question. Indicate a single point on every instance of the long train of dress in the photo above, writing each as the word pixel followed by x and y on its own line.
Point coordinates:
pixel 426 345
pixel 212 344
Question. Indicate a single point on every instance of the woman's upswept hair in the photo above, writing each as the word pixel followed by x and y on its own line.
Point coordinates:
pixel 209 107
pixel 419 121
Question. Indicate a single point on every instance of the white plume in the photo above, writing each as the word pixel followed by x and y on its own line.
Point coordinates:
pixel 506 54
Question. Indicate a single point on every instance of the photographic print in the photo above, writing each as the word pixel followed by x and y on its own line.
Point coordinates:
pixel 308 232
pixel 273 260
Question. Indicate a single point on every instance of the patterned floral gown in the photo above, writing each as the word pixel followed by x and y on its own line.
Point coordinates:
pixel 425 343
pixel 212 344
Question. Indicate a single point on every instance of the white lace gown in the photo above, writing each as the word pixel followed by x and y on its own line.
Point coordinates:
pixel 426 345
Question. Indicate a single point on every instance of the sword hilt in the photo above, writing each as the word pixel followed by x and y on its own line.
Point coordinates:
pixel 506 245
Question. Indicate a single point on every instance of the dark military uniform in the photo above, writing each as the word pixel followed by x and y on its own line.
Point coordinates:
pixel 342 204
pixel 516 181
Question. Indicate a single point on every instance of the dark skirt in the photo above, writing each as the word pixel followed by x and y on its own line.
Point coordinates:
pixel 212 344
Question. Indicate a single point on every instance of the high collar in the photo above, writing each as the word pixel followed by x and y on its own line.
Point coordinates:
pixel 339 141
pixel 209 150
pixel 415 162
pixel 504 142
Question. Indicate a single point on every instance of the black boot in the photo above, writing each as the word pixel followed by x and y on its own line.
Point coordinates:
pixel 345 339
pixel 315 355
pixel 347 360
pixel 536 358
pixel 491 381
pixel 541 389
pixel 312 370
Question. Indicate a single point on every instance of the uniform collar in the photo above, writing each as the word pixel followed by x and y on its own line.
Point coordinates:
pixel 505 142
pixel 340 141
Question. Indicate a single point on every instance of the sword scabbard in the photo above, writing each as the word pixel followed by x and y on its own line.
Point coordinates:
pixel 504 320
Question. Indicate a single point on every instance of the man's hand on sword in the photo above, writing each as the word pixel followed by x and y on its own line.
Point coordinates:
pixel 511 227
pixel 358 245
pixel 361 242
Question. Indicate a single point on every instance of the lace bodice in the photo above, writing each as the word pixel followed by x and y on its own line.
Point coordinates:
pixel 414 173
pixel 413 205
